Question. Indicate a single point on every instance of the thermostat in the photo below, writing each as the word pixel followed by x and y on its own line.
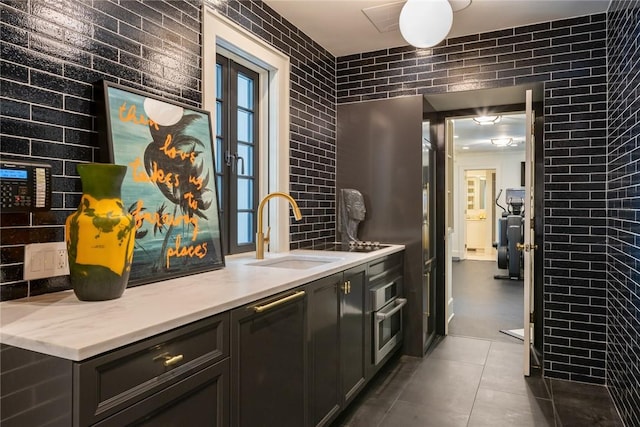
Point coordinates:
pixel 25 186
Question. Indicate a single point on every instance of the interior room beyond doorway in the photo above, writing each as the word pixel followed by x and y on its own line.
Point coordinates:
pixel 479 211
pixel 488 161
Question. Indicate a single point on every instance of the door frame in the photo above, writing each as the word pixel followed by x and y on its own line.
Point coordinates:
pixel 437 120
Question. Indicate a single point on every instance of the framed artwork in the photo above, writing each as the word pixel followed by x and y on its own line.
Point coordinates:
pixel 170 185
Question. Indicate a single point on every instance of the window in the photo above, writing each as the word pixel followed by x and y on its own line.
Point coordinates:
pixel 237 105
pixel 222 36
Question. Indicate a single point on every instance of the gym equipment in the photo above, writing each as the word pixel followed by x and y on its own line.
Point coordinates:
pixel 510 233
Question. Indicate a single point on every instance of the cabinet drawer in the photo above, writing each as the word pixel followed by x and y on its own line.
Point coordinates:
pixel 202 398
pixel 384 265
pixel 111 382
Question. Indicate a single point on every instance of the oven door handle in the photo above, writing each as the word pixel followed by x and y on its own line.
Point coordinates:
pixel 399 303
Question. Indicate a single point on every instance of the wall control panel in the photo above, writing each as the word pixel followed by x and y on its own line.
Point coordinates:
pixel 25 186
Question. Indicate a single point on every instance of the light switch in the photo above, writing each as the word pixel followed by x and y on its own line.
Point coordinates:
pixel 43 260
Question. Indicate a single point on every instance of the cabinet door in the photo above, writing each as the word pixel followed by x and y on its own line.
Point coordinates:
pixel 199 400
pixel 268 362
pixel 324 356
pixel 353 332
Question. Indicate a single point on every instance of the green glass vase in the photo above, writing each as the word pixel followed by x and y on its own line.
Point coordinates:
pixel 100 235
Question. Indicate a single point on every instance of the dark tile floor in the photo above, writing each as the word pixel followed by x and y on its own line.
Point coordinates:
pixel 473 377
pixel 483 305
pixel 475 382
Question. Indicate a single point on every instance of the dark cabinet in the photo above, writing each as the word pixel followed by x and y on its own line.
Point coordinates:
pixel 167 377
pixel 338 337
pixel 268 362
pixel 201 399
pixel 354 333
pixel 324 350
pixel 294 359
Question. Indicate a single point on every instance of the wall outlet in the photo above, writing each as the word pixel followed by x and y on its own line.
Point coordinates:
pixel 42 260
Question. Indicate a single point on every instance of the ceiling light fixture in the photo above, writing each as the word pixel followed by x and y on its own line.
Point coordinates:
pixel 502 142
pixel 458 5
pixel 487 120
pixel 425 23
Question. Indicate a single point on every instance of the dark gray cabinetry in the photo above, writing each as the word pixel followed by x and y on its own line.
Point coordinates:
pixel 198 400
pixel 354 333
pixel 295 359
pixel 394 192
pixel 268 362
pixel 171 376
pixel 338 337
pixel 324 349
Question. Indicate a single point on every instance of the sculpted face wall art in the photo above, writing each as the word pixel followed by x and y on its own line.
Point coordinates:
pixel 169 187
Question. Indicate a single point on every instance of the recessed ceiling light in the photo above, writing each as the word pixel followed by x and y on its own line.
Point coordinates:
pixel 465 148
pixel 487 120
pixel 502 142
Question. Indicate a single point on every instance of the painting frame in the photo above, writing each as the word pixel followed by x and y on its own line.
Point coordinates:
pixel 170 186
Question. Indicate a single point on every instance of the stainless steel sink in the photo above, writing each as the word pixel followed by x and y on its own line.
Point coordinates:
pixel 298 262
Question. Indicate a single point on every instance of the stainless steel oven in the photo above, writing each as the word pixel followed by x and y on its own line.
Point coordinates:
pixel 386 307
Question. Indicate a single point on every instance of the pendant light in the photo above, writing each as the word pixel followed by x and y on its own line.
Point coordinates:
pixel 425 23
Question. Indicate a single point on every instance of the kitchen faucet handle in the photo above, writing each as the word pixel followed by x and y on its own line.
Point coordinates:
pixel 266 237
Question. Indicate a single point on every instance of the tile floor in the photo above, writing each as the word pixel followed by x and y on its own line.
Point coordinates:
pixel 474 382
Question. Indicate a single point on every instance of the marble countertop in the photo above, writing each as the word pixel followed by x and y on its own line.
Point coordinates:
pixel 58 324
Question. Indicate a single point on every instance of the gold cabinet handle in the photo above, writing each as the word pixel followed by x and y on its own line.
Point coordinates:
pixel 346 287
pixel 172 360
pixel 167 359
pixel 261 308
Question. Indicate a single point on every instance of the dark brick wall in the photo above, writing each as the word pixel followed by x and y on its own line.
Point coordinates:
pixel 569 57
pixel 623 202
pixel 36 389
pixel 53 51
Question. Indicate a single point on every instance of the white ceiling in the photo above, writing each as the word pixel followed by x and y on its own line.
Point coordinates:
pixel 470 137
pixel 473 138
pixel 342 28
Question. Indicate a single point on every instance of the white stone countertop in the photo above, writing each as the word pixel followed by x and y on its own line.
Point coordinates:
pixel 58 324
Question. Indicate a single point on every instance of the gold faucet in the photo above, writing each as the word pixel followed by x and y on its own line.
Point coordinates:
pixel 261 239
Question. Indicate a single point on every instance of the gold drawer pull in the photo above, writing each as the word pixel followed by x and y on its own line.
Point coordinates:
pixel 261 308
pixel 172 360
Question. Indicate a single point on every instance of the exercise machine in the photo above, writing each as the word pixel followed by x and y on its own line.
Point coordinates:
pixel 510 234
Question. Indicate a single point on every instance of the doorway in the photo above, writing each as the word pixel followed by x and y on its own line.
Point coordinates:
pixel 479 229
pixel 487 153
pixel 438 109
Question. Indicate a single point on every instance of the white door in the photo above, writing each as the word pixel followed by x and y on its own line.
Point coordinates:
pixel 529 242
pixel 449 210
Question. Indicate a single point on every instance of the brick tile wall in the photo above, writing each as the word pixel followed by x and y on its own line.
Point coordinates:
pixel 623 202
pixel 52 52
pixel 569 57
pixel 36 389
